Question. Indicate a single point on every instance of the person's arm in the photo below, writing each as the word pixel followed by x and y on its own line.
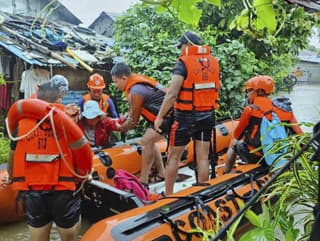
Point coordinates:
pixel 112 111
pixel 83 166
pixel 135 107
pixel 169 100
pixel 295 127
pixel 238 132
pixel 111 124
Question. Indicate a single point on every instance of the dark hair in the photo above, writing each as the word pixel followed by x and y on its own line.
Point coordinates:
pixel 120 69
pixel 48 93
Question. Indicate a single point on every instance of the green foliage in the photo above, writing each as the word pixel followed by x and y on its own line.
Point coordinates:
pixel 145 37
pixel 2 80
pixel 264 230
pixel 294 193
pixel 256 19
pixel 188 11
pixel 237 64
pixel 208 235
pixel 146 41
pixel 4 148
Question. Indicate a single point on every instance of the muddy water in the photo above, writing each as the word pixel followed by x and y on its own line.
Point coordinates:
pixel 305 100
pixel 19 232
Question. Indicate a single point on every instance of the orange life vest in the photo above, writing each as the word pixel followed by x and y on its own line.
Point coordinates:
pixel 103 102
pixel 200 90
pixel 37 163
pixel 149 110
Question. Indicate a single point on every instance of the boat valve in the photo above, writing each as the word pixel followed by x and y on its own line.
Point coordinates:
pixel 95 175
pixel 110 172
pixel 105 159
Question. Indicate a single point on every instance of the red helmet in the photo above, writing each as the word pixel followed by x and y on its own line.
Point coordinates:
pixel 263 82
pixel 96 81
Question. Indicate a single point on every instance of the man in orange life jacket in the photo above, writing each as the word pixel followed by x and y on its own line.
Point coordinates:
pixel 258 89
pixel 45 182
pixel 144 96
pixel 193 93
pixel 95 86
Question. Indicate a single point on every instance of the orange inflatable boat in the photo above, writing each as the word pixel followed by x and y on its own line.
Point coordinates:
pixel 10 210
pixel 123 155
pixel 174 217
pixel 127 155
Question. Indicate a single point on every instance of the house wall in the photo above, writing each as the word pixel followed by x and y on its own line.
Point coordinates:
pixel 103 26
pixel 310 71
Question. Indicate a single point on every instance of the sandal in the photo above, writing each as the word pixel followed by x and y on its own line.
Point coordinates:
pixel 156 178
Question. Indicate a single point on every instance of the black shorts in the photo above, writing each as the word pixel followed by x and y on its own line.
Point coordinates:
pixel 43 207
pixel 187 126
pixel 241 148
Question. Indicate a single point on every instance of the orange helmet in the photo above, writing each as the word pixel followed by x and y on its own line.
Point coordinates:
pixel 263 82
pixel 96 81
pixel 250 84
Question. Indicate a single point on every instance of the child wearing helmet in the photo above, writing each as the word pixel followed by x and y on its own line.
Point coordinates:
pixel 247 133
pixel 95 86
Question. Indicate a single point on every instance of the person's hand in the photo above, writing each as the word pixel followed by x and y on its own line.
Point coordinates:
pixel 72 109
pixel 118 126
pixel 157 123
pixel 5 180
pixel 124 116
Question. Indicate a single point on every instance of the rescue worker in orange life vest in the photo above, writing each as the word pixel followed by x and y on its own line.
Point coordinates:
pixel 46 184
pixel 95 86
pixel 247 133
pixel 144 96
pixel 194 93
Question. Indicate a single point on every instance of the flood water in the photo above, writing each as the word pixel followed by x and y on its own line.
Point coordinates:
pixel 19 232
pixel 305 100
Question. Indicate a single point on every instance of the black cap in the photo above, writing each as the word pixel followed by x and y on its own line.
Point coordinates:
pixel 189 38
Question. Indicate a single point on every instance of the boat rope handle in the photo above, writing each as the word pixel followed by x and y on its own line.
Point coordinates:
pixel 244 198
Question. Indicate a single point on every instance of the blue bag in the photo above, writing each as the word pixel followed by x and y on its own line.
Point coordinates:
pixel 270 132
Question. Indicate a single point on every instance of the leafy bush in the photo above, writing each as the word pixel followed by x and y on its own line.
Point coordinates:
pixel 4 148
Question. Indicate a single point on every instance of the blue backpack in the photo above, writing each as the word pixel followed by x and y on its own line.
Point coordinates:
pixel 270 132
